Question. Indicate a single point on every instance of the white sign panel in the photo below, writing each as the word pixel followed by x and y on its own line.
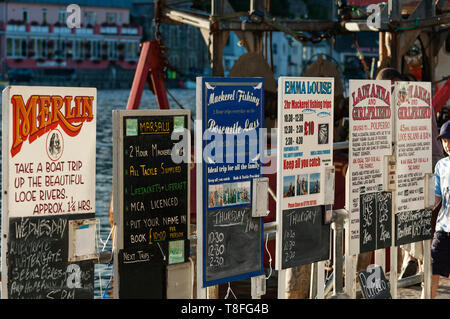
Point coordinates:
pixel 305 139
pixel 49 159
pixel 305 148
pixel 370 140
pixel 413 137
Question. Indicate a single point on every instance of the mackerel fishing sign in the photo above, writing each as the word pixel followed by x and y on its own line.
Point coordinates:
pixel 229 148
pixel 48 198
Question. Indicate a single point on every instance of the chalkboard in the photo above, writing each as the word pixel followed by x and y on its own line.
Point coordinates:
pixel 374 284
pixel 233 243
pixel 142 274
pixel 151 199
pixel 413 226
pixel 38 260
pixel 306 239
pixel 376 221
pixel 155 195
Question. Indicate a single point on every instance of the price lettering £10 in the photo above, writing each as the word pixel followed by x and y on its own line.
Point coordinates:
pixel 309 128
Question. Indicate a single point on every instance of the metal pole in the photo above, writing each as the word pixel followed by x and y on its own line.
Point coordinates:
pixel 339 216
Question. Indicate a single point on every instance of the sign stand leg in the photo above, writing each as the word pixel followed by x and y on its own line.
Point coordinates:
pixel 320 266
pixel 313 282
pixel 393 272
pixel 350 273
pixel 380 258
pixel 350 262
pixel 427 274
pixel 282 284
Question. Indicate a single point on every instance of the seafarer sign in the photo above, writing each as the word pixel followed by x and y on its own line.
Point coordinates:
pixel 48 161
pixel 413 111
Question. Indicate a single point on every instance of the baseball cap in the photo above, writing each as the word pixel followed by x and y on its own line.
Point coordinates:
pixel 445 130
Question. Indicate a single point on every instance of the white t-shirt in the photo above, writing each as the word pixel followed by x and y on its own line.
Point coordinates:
pixel 442 189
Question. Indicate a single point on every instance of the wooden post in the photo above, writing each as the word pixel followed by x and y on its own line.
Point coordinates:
pixel 427 271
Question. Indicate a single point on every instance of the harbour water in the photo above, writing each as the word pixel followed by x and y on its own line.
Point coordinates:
pixel 107 101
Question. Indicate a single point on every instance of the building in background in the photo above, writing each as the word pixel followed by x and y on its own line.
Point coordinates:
pixel 187 50
pixel 37 46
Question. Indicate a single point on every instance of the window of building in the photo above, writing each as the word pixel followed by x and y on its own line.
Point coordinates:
pixel 62 16
pixel 25 15
pixel 41 48
pixel 44 15
pixel 31 48
pixel 60 49
pixel 132 50
pixel 16 48
pixel 78 49
pixel 275 49
pixel 91 17
pixel 111 17
pixel 191 37
pixel 112 50
pixel 9 47
pixel 96 50
pixel 192 64
pixel 175 61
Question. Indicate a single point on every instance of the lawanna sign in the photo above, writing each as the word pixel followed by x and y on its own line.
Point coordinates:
pixel 48 162
pixel 370 142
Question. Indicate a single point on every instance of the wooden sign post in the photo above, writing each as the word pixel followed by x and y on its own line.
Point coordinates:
pixel 230 113
pixel 48 196
pixel 305 170
pixel 151 199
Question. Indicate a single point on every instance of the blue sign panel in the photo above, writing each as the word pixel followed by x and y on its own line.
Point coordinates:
pixel 232 118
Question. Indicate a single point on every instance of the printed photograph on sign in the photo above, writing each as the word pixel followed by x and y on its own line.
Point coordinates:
pixel 55 145
pixel 314 183
pixel 302 184
pixel 323 133
pixel 289 186
pixel 229 194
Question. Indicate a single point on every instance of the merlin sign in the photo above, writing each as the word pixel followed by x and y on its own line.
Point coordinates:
pixel 48 198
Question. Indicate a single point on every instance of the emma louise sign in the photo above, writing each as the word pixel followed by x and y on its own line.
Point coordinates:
pixel 49 150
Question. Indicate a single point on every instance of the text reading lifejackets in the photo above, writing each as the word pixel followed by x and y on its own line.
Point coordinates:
pixel 43 113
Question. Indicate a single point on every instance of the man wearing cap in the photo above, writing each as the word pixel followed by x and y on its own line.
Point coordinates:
pixel 440 247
